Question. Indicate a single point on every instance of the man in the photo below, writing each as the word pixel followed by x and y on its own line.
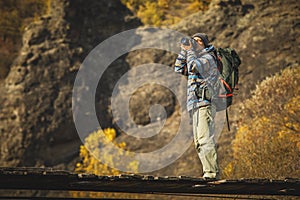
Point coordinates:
pixel 196 60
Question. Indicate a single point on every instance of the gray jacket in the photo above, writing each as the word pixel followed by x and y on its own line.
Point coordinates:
pixel 202 72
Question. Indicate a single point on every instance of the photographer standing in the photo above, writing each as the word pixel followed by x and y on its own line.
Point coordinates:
pixel 197 61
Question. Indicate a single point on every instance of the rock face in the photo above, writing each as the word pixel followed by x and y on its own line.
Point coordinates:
pixel 36 118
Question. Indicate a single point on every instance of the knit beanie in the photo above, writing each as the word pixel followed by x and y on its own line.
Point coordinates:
pixel 203 37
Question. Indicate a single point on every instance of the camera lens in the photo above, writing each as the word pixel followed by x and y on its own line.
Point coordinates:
pixel 185 41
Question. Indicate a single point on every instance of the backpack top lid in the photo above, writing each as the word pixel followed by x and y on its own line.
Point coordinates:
pixel 203 37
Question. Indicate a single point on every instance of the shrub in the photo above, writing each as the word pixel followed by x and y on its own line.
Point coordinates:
pixel 90 153
pixel 267 143
pixel 164 12
pixel 150 13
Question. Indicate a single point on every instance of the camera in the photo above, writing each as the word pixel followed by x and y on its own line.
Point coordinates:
pixel 186 41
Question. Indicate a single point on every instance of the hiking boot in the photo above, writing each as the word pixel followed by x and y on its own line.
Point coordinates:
pixel 211 178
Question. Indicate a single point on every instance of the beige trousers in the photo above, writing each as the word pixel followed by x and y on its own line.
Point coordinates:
pixel 203 128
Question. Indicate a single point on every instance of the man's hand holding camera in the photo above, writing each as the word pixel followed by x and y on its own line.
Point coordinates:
pixel 186 47
pixel 186 44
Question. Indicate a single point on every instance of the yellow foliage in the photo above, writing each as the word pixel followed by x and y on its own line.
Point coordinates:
pixel 164 12
pixel 198 5
pixel 150 13
pixel 267 144
pixel 272 93
pixel 90 163
pixel 164 3
pixel 48 6
pixel 91 152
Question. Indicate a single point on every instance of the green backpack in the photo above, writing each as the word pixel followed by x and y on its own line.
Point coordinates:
pixel 228 65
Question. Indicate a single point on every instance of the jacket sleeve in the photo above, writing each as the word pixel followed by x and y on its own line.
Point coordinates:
pixel 205 66
pixel 180 63
pixel 193 63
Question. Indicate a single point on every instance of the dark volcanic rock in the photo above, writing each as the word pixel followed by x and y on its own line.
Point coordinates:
pixel 150 95
pixel 36 118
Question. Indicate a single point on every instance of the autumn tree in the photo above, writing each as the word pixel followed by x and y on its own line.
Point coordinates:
pixel 90 163
pixel 164 12
pixel 267 143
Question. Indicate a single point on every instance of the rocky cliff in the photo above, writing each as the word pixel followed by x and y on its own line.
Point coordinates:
pixel 36 118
